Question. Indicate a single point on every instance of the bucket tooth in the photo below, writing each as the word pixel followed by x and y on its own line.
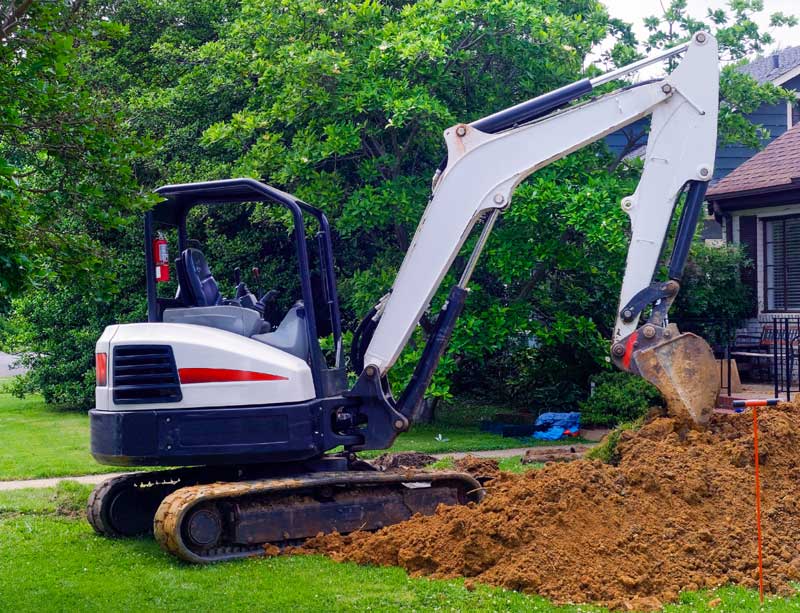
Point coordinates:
pixel 684 370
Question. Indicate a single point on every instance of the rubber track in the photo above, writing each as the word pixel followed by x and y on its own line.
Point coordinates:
pixel 168 518
pixel 94 504
pixel 166 528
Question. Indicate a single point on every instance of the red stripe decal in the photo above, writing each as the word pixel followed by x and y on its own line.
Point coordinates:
pixel 223 375
pixel 626 359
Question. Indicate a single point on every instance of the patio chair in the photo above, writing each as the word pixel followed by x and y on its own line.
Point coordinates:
pixel 764 350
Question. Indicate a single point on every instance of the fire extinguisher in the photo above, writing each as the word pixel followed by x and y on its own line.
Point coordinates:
pixel 161 258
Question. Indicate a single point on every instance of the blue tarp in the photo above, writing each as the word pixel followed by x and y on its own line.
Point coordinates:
pixel 552 426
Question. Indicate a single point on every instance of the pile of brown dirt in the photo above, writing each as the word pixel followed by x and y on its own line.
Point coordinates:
pixel 483 469
pixel 676 514
pixel 402 460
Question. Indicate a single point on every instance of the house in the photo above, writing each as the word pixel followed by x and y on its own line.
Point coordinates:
pixel 781 68
pixel 754 200
pixel 755 196
pixel 758 206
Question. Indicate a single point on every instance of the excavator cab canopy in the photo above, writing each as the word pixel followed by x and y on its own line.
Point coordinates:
pixel 173 211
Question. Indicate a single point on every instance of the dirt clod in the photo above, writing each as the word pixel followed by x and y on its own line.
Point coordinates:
pixel 482 469
pixel 402 460
pixel 675 514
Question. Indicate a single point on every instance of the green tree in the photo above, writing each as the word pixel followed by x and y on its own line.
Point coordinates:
pixel 714 300
pixel 344 104
pixel 737 33
pixel 75 174
pixel 66 156
pixel 56 327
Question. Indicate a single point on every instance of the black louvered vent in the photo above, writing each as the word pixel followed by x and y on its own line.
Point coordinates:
pixel 145 374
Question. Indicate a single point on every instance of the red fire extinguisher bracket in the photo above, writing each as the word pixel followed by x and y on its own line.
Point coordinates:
pixel 161 258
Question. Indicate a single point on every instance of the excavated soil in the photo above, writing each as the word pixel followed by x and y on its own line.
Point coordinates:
pixel 402 460
pixel 676 513
pixel 482 469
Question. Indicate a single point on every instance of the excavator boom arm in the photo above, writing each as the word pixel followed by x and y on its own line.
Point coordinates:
pixel 483 169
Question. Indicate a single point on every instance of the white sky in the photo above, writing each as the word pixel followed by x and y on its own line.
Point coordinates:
pixel 634 11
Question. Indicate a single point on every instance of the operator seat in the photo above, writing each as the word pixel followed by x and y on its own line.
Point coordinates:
pixel 201 290
pixel 201 287
pixel 204 305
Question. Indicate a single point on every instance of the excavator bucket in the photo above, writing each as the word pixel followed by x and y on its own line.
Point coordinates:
pixel 683 368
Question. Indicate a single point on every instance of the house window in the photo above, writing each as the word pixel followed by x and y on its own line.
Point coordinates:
pixel 782 264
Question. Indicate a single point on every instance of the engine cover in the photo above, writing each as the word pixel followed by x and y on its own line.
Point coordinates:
pixel 184 366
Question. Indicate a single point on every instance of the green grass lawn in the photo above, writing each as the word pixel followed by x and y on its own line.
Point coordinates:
pixel 55 562
pixel 41 441
pixel 512 464
pixel 445 438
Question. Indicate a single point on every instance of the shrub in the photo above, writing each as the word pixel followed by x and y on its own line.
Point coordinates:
pixel 55 327
pixel 56 335
pixel 618 397
pixel 714 300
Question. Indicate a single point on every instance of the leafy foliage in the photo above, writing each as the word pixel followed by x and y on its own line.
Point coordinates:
pixel 736 32
pixel 63 327
pixel 738 37
pixel 714 300
pixel 618 397
pixel 66 156
pixel 606 450
pixel 740 95
pixel 343 104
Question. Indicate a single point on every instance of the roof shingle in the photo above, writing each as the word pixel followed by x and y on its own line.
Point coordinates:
pixel 773 66
pixel 775 166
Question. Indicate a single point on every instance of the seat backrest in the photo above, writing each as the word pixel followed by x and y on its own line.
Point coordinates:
pixel 202 288
pixel 291 334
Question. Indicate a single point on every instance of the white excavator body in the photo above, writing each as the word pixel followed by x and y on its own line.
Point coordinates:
pixel 211 368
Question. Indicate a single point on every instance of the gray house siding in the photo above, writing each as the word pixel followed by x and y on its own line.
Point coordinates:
pixel 618 140
pixel 772 117
pixel 776 118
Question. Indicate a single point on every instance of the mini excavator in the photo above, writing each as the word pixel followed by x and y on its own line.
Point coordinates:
pixel 262 432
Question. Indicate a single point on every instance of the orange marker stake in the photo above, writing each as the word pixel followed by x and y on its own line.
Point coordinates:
pixel 739 406
pixel 758 507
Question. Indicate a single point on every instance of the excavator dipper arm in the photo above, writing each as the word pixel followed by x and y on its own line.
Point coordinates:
pixel 483 169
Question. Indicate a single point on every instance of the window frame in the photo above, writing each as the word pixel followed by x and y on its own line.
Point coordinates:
pixel 765 241
pixel 793 111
